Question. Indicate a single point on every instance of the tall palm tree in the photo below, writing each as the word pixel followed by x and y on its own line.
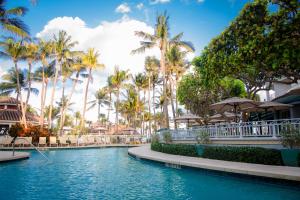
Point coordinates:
pixel 77 117
pixel 43 75
pixel 101 99
pixel 118 79
pixel 90 61
pixel 140 81
pixel 14 50
pixel 152 68
pixel 45 72
pixel 161 39
pixel 10 21
pixel 31 56
pixel 62 50
pixel 109 88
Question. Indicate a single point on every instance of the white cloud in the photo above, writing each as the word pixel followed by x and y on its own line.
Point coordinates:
pixel 123 8
pixel 200 1
pixel 140 6
pixel 114 40
pixel 159 1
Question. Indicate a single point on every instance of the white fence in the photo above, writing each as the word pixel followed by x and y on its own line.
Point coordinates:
pixel 255 129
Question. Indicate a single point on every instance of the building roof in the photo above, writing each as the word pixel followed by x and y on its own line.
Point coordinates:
pixel 8 100
pixel 16 116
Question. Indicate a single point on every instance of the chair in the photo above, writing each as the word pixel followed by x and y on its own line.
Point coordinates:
pixel 19 141
pixel 82 140
pixel 90 140
pixel 63 141
pixel 73 140
pixel 27 141
pixel 42 141
pixel 53 141
pixel 5 140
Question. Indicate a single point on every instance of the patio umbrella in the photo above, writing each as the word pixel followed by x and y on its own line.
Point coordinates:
pixel 225 115
pixel 234 103
pixel 187 118
pixel 270 105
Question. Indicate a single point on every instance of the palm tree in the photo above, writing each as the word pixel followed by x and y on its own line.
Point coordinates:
pixel 45 72
pixel 14 50
pixel 31 56
pixel 90 61
pixel 9 20
pixel 141 83
pixel 118 79
pixel 152 68
pixel 62 46
pixel 109 88
pixel 10 85
pixel 77 117
pixel 161 40
pixel 101 99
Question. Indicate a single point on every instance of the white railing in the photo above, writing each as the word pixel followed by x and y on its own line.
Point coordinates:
pixel 254 129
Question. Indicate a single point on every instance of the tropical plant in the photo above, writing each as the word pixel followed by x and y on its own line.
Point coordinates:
pixel 203 137
pixel 62 45
pixel 290 136
pixel 14 50
pixel 160 39
pixel 118 79
pixel 109 88
pixel 10 21
pixel 90 61
pixel 101 99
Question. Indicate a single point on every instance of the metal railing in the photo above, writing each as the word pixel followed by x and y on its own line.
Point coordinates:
pixel 254 129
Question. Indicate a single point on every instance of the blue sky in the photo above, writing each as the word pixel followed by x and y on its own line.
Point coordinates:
pixel 200 21
pixel 109 26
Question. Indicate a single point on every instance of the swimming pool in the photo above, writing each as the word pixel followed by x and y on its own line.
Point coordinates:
pixel 109 173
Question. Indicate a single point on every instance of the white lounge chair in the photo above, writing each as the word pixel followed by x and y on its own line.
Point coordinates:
pixel 5 140
pixel 27 141
pixel 73 140
pixel 42 141
pixel 63 141
pixel 22 141
pixel 53 141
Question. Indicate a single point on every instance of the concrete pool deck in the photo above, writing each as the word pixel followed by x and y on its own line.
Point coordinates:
pixel 6 156
pixel 270 171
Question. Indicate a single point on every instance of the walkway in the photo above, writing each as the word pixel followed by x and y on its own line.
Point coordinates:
pixel 6 156
pixel 277 172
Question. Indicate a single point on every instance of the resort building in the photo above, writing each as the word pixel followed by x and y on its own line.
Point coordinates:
pixel 10 113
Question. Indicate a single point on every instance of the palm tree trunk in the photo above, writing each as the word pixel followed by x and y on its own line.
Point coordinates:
pixel 62 110
pixel 29 86
pixel 176 101
pixel 173 107
pixel 44 101
pixel 70 97
pixel 42 98
pixel 20 95
pixel 85 99
pixel 99 107
pixel 149 104
pixel 117 109
pixel 153 101
pixel 52 97
pixel 165 106
pixel 109 107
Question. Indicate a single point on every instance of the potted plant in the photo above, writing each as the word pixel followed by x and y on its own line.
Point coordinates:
pixel 290 138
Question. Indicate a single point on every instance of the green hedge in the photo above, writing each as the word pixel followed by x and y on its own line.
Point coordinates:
pixel 256 155
pixel 299 159
pixel 244 154
pixel 176 149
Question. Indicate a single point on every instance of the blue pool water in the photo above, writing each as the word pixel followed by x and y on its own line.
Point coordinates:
pixel 109 173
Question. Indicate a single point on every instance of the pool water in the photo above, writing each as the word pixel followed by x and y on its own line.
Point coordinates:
pixel 109 173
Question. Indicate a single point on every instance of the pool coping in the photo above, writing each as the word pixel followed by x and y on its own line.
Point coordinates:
pixel 71 147
pixel 6 156
pixel 268 171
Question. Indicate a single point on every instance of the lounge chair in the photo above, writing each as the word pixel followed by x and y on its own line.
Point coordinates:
pixel 19 142
pixel 63 141
pixel 53 141
pixel 27 141
pixel 82 140
pixel 42 141
pixel 73 140
pixel 90 140
pixel 5 141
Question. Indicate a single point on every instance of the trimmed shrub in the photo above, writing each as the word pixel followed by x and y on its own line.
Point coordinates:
pixel 256 155
pixel 175 149
pixel 167 137
pixel 290 136
pixel 203 137
pixel 299 159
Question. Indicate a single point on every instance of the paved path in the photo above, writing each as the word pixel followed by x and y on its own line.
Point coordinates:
pixel 278 172
pixel 6 156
